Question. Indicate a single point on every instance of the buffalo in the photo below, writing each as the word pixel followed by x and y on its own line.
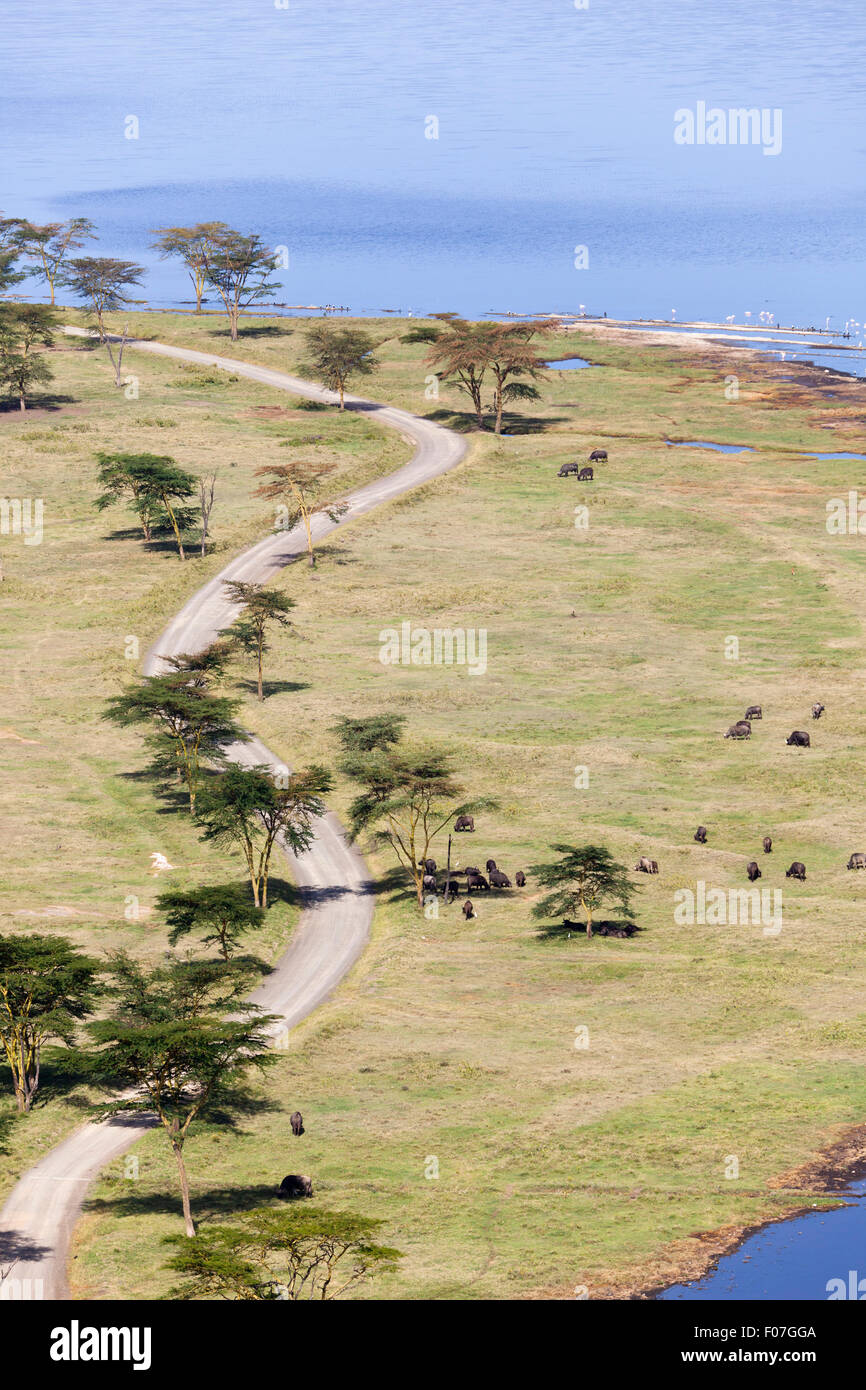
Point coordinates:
pixel 797 870
pixel 753 712
pixel 296 1185
pixel 520 878
pixel 753 871
pixel 477 881
pixel 701 834
pixel 428 883
pixel 464 823
pixel 469 870
pixel 857 861
pixel 646 866
pixel 451 888
pixel 568 468
pixel 297 1123
pixel 491 864
pixel 742 729
pixel 430 866
pixel 817 710
pixel 468 910
pixel 598 456
pixel 499 879
pixel 768 845
pixel 798 739
pixel 585 475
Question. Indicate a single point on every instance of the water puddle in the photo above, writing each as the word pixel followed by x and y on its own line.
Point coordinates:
pixel 569 364
pixel 706 444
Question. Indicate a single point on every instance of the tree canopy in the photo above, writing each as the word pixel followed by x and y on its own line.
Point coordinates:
pixel 46 988
pixel 337 354
pixel 297 486
pixel 581 879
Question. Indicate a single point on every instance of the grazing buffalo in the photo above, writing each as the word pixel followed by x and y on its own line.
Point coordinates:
pixel 646 866
pixel 520 878
pixel 598 456
pixel 470 870
pixel 464 823
pixel 295 1185
pixel 491 864
pixel 430 866
pixel 701 834
pixel 857 861
pixel 297 1123
pixel 568 468
pixel 451 888
pixel 753 871
pixel 817 710
pixel 753 712
pixel 585 475
pixel 428 883
pixel 797 870
pixel 742 729
pixel 477 881
pixel 768 845
pixel 499 879
pixel 798 739
pixel 468 910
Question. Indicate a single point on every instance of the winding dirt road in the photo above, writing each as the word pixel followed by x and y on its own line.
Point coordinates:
pixel 38 1218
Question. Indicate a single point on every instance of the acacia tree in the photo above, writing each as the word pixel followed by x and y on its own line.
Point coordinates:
pixel 220 914
pixel 583 878
pixel 190 244
pixel 154 483
pixel 512 359
pixel 238 267
pixel 263 608
pixel 245 808
pixel 408 795
pixel 274 1254
pixel 24 328
pixel 10 252
pixel 466 352
pixel 190 726
pixel 180 1040
pixel 336 354
pixel 297 487
pixel 103 284
pixel 46 988
pixel 48 246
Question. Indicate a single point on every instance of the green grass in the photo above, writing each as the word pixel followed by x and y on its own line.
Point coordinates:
pixel 557 1166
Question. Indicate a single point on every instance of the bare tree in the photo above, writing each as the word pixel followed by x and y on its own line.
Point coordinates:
pixel 206 489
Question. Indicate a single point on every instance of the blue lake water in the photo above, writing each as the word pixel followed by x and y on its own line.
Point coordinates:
pixel 569 364
pixel 792 1260
pixel 483 158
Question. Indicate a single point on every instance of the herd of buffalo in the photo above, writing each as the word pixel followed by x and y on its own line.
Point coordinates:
pixel 475 880
pixel 583 472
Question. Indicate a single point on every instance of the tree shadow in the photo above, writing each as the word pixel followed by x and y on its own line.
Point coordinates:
pixel 252 330
pixel 47 402
pixel 337 554
pixel 208 1205
pixel 270 688
pixel 561 931
pixel 14 1247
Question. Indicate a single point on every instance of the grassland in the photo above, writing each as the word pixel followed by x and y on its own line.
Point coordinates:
pixel 558 1167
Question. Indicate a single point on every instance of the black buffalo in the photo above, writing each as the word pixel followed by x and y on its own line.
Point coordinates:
pixel 857 861
pixel 296 1185
pixel 464 823
pixel 477 881
pixel 797 870
pixel 701 834
pixel 430 866
pixel 753 871
pixel 468 910
pixel 817 710
pixel 568 468
pixel 451 888
pixel 491 864
pixel 768 845
pixel 520 878
pixel 753 712
pixel 598 455
pixel 499 879
pixel 798 739
pixel 742 729
pixel 428 883
pixel 585 475
pixel 297 1123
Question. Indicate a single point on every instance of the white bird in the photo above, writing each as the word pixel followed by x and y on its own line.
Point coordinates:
pixel 159 863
